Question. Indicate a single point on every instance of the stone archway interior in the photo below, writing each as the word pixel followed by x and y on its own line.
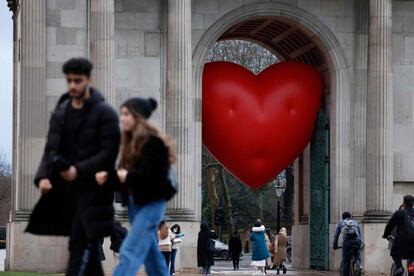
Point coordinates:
pixel 285 37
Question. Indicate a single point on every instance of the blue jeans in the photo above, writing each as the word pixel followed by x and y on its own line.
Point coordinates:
pixel 141 244
pixel 347 254
pixel 172 264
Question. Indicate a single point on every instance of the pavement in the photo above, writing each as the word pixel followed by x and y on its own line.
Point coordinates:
pixel 224 267
pixel 2 257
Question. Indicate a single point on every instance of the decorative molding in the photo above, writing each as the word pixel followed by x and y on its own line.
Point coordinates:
pixel 14 7
pixel 337 65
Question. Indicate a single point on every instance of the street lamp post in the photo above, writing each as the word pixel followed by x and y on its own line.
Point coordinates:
pixel 280 186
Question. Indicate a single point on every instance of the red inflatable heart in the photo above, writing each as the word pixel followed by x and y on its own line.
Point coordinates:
pixel 256 125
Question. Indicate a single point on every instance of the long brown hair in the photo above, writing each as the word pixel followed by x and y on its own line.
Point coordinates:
pixel 133 141
pixel 163 230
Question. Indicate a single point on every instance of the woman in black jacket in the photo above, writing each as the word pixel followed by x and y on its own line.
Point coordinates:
pixel 205 250
pixel 143 179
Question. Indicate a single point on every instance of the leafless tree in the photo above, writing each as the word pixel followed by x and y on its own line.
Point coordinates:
pixel 255 58
pixel 5 167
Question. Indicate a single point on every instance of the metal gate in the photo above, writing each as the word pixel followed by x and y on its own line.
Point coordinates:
pixel 319 195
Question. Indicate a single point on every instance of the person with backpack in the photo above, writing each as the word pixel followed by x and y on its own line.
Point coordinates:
pixel 117 237
pixel 351 234
pixel 403 245
pixel 205 249
pixel 144 178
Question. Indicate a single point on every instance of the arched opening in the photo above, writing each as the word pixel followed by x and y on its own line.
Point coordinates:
pixel 293 34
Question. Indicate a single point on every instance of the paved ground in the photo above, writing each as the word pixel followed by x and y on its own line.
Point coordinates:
pixel 226 268
pixel 2 257
pixel 223 268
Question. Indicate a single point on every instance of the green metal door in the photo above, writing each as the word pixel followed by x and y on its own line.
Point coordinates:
pixel 319 195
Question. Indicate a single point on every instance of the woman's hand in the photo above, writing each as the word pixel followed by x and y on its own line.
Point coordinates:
pixel 122 175
pixel 101 177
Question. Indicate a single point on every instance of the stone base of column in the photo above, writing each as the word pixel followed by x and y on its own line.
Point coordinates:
pixel 376 216
pixel 27 252
pixel 180 214
pixel 187 252
pixel 375 255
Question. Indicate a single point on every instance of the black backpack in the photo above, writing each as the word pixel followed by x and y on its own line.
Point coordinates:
pixel 409 225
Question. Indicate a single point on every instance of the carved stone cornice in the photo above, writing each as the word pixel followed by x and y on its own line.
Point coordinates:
pixel 13 7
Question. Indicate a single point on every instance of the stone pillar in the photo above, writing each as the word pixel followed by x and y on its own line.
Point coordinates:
pixel 379 113
pixel 102 46
pixel 359 153
pixel 179 119
pixel 180 123
pixel 30 125
pixel 29 105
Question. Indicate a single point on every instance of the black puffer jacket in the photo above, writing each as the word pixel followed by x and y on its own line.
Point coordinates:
pixel 97 143
pixel 148 181
pixel 402 247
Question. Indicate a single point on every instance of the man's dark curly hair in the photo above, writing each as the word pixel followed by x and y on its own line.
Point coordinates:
pixel 78 66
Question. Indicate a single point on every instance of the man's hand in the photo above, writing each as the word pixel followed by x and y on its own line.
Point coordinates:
pixel 70 174
pixel 101 177
pixel 122 175
pixel 45 185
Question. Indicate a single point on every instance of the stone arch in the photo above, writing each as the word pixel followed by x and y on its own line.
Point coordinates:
pixel 336 76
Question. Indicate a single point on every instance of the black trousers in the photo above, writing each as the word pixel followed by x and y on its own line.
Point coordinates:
pixel 167 257
pixel 84 257
pixel 235 258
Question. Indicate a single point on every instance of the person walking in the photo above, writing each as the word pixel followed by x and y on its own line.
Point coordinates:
pixel 259 249
pixel 280 250
pixel 118 235
pixel 403 245
pixel 270 238
pixel 205 249
pixel 165 237
pixel 143 178
pixel 83 138
pixel 235 249
pixel 176 242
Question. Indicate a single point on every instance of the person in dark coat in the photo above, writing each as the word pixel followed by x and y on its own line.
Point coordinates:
pixel 144 180
pixel 235 249
pixel 403 246
pixel 83 138
pixel 205 254
pixel 117 237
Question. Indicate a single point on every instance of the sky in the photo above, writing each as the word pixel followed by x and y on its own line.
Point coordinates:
pixel 6 80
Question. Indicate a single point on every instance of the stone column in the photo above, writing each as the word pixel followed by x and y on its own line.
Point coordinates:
pixel 359 153
pixel 379 113
pixel 102 46
pixel 29 110
pixel 179 118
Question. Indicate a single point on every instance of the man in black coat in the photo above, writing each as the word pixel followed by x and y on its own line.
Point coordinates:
pixel 403 245
pixel 83 139
pixel 235 249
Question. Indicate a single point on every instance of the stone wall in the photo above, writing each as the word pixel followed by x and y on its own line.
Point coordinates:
pixel 5 199
pixel 403 67
pixel 66 27
pixel 138 51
